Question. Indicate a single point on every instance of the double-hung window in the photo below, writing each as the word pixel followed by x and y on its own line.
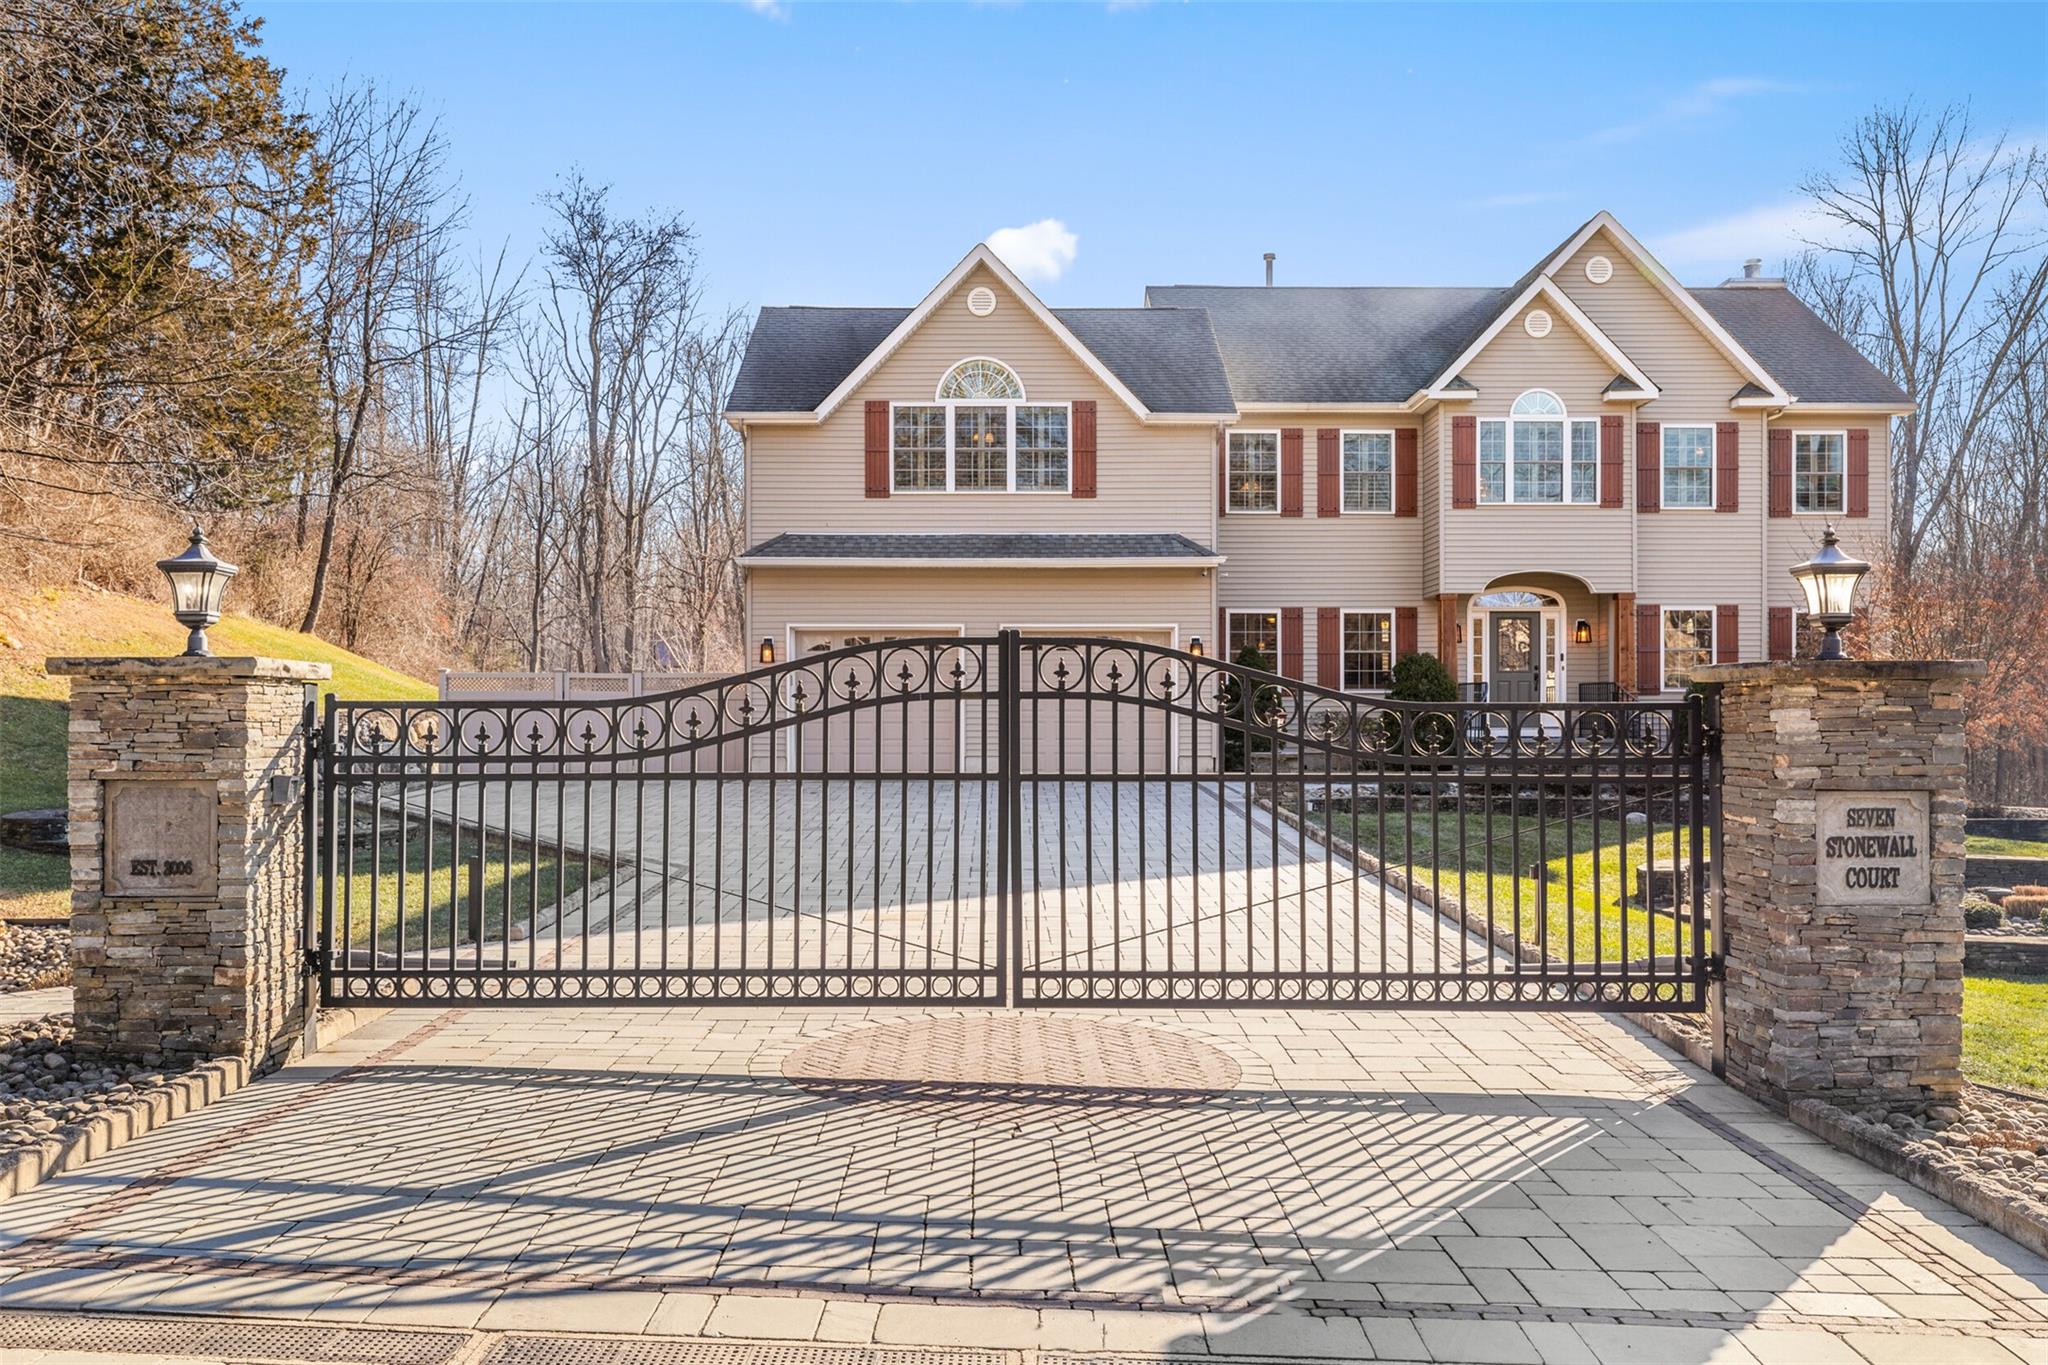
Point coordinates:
pixel 1688 465
pixel 1539 454
pixel 1819 462
pixel 1688 644
pixel 1254 471
pixel 979 435
pixel 1258 630
pixel 1368 650
pixel 1368 471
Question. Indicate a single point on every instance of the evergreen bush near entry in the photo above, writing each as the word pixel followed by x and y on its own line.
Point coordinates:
pixel 1981 912
pixel 1230 703
pixel 1422 677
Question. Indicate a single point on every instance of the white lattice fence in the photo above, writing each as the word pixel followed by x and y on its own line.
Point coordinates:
pixel 562 685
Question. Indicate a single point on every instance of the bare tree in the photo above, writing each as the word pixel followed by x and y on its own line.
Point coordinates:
pixel 1934 266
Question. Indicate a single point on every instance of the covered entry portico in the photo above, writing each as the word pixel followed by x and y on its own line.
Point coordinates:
pixel 1539 637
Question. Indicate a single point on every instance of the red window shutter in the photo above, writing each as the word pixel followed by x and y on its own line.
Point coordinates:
pixel 1290 474
pixel 1610 460
pixel 1329 473
pixel 1779 446
pixel 1404 472
pixel 1649 648
pixel 1727 634
pixel 1464 461
pixel 1083 481
pixel 1329 645
pixel 1290 624
pixel 1727 466
pixel 1649 467
pixel 877 448
pixel 1221 649
pixel 1859 471
pixel 1781 632
pixel 1222 472
pixel 1404 631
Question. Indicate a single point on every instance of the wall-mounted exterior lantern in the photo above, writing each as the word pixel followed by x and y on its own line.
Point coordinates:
pixel 1195 646
pixel 767 649
pixel 1829 581
pixel 1582 633
pixel 198 583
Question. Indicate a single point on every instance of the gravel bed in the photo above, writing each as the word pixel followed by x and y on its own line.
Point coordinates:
pixel 1996 1136
pixel 2012 928
pixel 43 1089
pixel 33 956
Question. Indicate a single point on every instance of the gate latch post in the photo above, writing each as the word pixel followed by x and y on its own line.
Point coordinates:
pixel 1717 967
pixel 312 960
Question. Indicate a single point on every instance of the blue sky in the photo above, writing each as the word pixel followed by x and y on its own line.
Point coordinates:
pixel 849 154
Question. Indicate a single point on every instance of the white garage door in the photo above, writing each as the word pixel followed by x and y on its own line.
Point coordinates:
pixel 1072 738
pixel 921 734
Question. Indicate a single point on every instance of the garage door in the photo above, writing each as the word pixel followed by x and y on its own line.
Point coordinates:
pixel 1099 737
pixel 924 734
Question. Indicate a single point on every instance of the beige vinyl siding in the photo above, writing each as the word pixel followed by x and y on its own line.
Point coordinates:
pixel 1355 561
pixel 1793 539
pixel 1485 543
pixel 810 478
pixel 1432 497
pixel 1683 557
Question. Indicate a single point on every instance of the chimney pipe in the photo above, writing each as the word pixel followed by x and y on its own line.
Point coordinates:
pixel 1269 270
pixel 1752 268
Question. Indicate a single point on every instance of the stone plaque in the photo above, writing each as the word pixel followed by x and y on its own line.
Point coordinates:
pixel 1874 848
pixel 162 837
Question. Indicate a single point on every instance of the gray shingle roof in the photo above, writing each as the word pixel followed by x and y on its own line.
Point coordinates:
pixel 1286 344
pixel 1797 348
pixel 797 356
pixel 1111 546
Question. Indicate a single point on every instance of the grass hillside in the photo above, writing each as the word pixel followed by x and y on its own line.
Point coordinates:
pixel 42 622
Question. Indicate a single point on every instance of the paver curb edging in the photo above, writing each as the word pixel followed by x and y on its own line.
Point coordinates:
pixel 1686 1045
pixel 1981 1200
pixel 25 1168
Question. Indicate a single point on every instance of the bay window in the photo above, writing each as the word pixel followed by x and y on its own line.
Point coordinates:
pixel 1539 454
pixel 1688 466
pixel 980 436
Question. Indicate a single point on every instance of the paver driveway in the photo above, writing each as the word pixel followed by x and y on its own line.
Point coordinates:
pixel 1512 1187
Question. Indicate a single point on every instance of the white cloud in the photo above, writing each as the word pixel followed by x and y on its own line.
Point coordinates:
pixel 1039 252
pixel 1689 106
pixel 768 9
pixel 1770 231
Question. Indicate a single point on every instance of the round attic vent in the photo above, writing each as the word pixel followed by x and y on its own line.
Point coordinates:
pixel 981 301
pixel 1537 324
pixel 1599 269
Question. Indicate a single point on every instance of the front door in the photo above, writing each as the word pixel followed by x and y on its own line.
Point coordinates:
pixel 1511 672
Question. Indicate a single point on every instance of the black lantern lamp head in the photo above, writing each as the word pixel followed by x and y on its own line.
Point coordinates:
pixel 1582 633
pixel 1195 646
pixel 1829 581
pixel 198 582
pixel 767 655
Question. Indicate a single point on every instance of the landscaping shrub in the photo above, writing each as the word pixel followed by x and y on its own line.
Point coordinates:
pixel 1422 677
pixel 2023 907
pixel 2029 889
pixel 1231 703
pixel 1980 913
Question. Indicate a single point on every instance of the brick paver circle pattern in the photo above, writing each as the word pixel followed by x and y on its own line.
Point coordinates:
pixel 1026 1053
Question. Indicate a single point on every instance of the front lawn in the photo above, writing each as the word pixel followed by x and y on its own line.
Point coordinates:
pixel 2005 1030
pixel 1989 846
pixel 436 903
pixel 1578 910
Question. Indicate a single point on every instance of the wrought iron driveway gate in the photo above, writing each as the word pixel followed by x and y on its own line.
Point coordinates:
pixel 1020 820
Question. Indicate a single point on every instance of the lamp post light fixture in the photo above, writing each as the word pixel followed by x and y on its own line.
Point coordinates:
pixel 1829 581
pixel 198 582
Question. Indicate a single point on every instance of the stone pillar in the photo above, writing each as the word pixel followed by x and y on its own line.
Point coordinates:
pixel 1841 859
pixel 187 866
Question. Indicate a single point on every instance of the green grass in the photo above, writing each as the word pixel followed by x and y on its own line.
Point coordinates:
pixel 43 622
pixel 2005 1030
pixel 521 884
pixel 1496 873
pixel 1987 846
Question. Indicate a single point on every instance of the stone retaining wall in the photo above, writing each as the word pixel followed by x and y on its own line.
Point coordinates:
pixel 1992 955
pixel 1982 870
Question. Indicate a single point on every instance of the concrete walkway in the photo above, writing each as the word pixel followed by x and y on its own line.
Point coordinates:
pixel 1404 1186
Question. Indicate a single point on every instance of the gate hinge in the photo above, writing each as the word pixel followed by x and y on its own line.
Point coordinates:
pixel 1717 967
pixel 312 960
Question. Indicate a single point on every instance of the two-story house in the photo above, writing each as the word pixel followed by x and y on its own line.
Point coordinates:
pixel 1582 484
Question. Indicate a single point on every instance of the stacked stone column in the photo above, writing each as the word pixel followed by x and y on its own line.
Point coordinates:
pixel 1844 958
pixel 187 841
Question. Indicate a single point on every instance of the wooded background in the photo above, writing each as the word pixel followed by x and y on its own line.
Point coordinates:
pixel 217 300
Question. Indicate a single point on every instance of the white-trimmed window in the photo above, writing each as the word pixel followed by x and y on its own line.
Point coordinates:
pixel 1368 651
pixel 1258 629
pixel 1368 471
pixel 1253 471
pixel 1688 644
pixel 1820 462
pixel 1539 454
pixel 980 436
pixel 1688 465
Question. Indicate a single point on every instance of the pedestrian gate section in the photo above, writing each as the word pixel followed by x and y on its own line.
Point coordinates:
pixel 1014 820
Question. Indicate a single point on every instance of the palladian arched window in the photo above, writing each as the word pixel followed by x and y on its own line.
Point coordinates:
pixel 1539 453
pixel 980 435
